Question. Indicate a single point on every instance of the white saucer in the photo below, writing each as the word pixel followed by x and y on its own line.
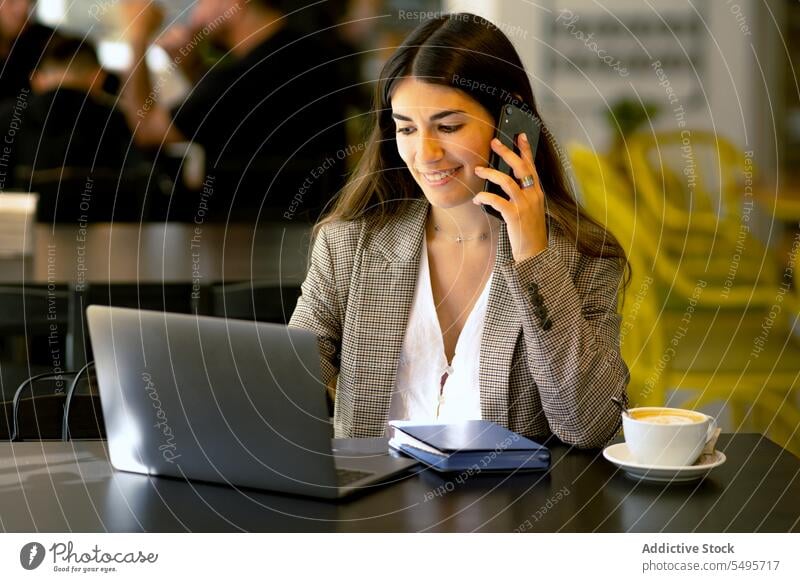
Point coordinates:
pixel 621 457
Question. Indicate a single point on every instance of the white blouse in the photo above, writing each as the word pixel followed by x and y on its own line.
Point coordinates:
pixel 427 389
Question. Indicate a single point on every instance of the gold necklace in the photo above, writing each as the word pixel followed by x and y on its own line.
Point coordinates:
pixel 460 239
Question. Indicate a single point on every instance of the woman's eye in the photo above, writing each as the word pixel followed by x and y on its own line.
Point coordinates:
pixel 405 130
pixel 449 128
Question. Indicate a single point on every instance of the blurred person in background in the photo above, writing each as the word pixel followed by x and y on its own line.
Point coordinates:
pixel 267 114
pixel 345 29
pixel 70 144
pixel 21 45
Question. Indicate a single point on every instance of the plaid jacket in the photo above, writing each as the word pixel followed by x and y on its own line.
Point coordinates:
pixel 550 356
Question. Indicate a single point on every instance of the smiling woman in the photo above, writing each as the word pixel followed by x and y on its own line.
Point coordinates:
pixel 428 308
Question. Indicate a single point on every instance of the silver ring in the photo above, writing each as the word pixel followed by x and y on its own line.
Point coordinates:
pixel 528 181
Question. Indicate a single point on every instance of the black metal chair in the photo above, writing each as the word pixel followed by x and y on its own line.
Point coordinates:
pixel 34 325
pixel 56 415
pixel 83 415
pixel 254 301
pixel 38 417
pixel 173 297
pixel 32 307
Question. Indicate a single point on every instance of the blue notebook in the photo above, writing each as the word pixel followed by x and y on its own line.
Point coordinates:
pixel 478 445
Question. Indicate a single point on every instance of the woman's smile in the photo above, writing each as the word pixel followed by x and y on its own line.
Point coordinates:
pixel 439 177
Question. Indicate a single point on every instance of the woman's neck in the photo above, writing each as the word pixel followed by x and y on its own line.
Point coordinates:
pixel 467 221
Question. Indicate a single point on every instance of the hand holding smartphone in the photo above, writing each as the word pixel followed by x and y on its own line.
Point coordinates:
pixel 512 122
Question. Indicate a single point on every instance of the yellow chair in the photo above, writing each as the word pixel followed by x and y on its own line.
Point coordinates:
pixel 700 362
pixel 641 347
pixel 691 186
pixel 690 179
pixel 631 218
pixel 702 245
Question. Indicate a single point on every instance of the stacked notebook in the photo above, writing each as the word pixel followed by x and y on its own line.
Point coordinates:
pixel 478 445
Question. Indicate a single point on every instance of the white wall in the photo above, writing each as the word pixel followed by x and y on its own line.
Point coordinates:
pixel 520 19
pixel 488 9
pixel 720 92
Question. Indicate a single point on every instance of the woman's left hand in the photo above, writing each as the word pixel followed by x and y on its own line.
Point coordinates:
pixel 524 212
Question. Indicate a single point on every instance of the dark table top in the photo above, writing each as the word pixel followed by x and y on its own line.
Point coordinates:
pixel 52 487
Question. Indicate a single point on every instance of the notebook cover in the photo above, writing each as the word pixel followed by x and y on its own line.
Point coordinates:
pixel 469 436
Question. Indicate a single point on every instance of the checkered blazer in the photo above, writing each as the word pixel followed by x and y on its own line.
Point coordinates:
pixel 549 358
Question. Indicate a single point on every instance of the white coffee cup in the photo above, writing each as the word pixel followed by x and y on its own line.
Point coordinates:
pixel 663 436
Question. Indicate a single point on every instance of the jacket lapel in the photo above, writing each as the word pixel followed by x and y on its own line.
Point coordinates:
pixel 501 329
pixel 389 279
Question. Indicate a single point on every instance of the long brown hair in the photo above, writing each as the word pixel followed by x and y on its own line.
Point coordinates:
pixel 468 53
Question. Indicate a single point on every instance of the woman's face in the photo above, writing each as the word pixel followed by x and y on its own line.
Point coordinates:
pixel 442 135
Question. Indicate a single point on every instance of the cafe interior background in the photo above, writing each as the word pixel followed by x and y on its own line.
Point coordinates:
pixel 679 123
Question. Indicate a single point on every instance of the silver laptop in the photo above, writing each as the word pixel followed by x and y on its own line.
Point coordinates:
pixel 222 400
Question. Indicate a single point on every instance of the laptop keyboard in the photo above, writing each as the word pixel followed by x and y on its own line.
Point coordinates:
pixel 346 476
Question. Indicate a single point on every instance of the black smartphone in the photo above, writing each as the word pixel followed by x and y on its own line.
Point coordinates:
pixel 512 121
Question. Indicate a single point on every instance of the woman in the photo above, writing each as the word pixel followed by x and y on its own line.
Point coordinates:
pixel 426 307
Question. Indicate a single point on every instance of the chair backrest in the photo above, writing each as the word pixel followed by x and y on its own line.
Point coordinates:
pixel 44 408
pixel 83 415
pixel 28 307
pixel 606 197
pixel 37 409
pixel 688 177
pixel 793 298
pixel 255 301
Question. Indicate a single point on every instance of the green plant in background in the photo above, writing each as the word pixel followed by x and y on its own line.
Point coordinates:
pixel 625 117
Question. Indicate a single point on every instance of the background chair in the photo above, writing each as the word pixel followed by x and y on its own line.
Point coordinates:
pixel 608 197
pixel 690 189
pixel 255 301
pixel 705 362
pixel 55 406
pixel 83 414
pixel 33 332
pixel 691 180
pixel 37 409
pixel 172 297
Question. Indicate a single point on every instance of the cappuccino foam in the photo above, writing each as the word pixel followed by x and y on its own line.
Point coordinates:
pixel 666 417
